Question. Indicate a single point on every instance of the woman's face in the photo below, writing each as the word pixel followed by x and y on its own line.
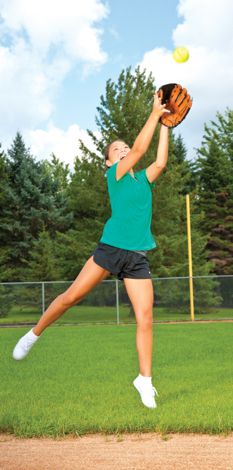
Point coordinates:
pixel 117 151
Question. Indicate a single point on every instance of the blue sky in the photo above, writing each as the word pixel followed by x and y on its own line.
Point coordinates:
pixel 129 31
pixel 55 59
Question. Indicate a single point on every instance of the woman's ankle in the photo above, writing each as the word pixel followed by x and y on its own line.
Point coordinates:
pixel 36 331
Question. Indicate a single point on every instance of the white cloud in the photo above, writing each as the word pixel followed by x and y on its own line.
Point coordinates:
pixel 63 143
pixel 206 30
pixel 40 43
pixel 68 24
pixel 206 23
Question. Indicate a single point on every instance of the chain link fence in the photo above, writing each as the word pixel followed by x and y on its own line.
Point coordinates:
pixel 24 302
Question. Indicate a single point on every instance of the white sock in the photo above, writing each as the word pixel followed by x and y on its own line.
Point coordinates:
pixel 32 335
pixel 145 379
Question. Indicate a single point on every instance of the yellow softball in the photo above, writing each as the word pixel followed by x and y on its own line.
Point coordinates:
pixel 180 54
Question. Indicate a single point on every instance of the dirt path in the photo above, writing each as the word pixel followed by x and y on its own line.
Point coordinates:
pixel 125 452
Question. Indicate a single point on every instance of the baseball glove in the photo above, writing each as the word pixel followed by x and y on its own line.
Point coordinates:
pixel 177 101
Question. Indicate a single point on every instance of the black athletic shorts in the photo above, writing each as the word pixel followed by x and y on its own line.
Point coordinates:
pixel 122 263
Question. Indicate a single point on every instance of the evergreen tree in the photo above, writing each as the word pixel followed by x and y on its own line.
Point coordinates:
pixel 32 203
pixel 187 176
pixel 87 200
pixel 125 108
pixel 5 270
pixel 222 130
pixel 214 170
pixel 73 249
pixel 3 177
pixel 169 224
pixel 58 170
pixel 42 263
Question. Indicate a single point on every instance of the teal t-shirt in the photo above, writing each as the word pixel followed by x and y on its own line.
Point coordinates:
pixel 129 226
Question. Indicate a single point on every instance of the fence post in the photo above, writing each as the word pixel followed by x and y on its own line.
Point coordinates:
pixel 117 303
pixel 43 298
pixel 190 257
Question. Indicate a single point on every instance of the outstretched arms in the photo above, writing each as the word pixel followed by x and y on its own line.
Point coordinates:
pixel 143 139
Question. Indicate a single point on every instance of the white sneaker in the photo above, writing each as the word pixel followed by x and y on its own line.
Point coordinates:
pixel 24 345
pixel 147 392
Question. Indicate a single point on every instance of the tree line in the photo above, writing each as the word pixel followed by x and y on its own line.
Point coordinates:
pixel 51 218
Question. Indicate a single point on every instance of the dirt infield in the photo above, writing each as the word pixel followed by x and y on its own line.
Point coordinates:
pixel 124 452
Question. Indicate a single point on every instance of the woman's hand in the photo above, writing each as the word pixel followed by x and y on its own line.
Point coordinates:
pixel 158 108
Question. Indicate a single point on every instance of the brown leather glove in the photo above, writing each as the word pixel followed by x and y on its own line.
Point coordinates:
pixel 177 101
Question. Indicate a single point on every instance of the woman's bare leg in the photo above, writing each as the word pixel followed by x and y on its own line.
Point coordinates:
pixel 141 295
pixel 90 275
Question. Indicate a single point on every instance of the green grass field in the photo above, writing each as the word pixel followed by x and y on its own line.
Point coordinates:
pixel 78 380
pixel 90 314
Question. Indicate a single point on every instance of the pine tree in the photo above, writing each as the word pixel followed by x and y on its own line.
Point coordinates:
pixel 169 223
pixel 180 154
pixel 214 168
pixel 3 177
pixel 58 170
pixel 33 202
pixel 5 270
pixel 73 249
pixel 43 263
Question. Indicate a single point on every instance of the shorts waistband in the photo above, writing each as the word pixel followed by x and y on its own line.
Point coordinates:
pixel 141 252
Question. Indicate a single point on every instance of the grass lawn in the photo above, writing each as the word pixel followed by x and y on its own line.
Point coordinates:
pixel 90 314
pixel 79 380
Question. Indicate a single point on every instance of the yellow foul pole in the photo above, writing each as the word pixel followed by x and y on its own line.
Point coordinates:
pixel 190 257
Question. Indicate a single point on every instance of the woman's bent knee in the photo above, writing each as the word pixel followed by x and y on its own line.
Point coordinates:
pixel 68 299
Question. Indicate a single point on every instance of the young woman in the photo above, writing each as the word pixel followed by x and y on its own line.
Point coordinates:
pixel 122 248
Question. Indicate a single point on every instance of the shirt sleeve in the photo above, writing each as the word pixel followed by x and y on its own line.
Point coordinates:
pixel 111 173
pixel 143 173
